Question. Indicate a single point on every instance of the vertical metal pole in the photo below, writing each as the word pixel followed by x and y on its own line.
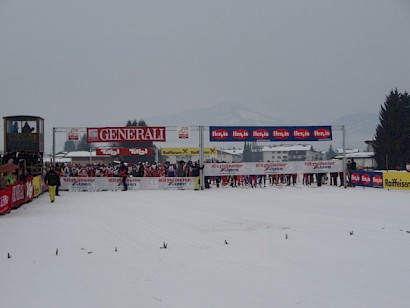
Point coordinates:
pixel 344 156
pixel 387 163
pixel 201 155
pixel 156 155
pixel 54 145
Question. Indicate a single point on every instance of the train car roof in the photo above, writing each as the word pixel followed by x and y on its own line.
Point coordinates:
pixel 23 117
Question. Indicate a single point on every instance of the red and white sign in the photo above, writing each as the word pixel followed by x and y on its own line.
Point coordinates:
pixel 281 133
pixel 5 200
pixel 355 177
pixel 183 132
pixel 301 133
pixel 126 134
pixel 377 180
pixel 115 183
pixel 260 134
pixel 73 134
pixel 240 134
pixel 123 151
pixel 322 133
pixel 366 179
pixel 220 134
pixel 323 166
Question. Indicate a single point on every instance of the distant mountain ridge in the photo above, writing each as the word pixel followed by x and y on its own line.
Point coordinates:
pixel 359 126
pixel 221 114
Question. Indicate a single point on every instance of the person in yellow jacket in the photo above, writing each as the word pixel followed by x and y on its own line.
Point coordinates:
pixel 52 179
pixel 196 169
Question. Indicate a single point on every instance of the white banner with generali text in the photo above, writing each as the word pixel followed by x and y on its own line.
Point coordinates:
pixel 322 166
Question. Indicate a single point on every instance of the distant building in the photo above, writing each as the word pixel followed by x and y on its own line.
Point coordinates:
pixel 230 155
pixel 364 160
pixel 290 153
pixel 80 157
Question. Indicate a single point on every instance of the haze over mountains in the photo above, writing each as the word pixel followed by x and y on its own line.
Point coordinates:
pixel 359 126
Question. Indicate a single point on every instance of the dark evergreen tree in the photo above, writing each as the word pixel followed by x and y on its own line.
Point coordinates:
pixel 247 155
pixel 330 154
pixel 83 145
pixel 392 140
pixel 69 146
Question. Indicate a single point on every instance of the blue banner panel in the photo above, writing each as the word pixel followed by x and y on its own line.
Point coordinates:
pixel 366 178
pixel 270 133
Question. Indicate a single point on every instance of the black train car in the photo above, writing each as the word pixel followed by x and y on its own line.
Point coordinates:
pixel 24 143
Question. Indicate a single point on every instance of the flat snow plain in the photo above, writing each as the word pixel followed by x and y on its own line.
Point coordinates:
pixel 289 247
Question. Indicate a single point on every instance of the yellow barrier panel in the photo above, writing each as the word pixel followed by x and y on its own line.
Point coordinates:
pixel 396 180
pixel 187 151
pixel 37 185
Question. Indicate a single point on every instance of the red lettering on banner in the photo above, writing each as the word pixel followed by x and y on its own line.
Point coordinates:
pixel 377 180
pixel 260 134
pixel 240 134
pixel 117 134
pixel 366 179
pixel 281 133
pixel 5 200
pixel 322 133
pixel 123 151
pixel 355 177
pixel 301 133
pixel 29 190
pixel 220 134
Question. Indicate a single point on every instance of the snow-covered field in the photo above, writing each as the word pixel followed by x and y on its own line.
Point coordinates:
pixel 286 248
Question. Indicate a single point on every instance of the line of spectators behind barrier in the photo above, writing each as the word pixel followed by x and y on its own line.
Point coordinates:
pixel 189 169
pixel 166 169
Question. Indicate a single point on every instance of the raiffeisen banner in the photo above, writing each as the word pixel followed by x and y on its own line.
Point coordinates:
pixel 396 180
pixel 270 133
pixel 126 134
pixel 187 151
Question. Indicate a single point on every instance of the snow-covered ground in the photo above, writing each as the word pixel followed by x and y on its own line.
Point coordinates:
pixel 109 249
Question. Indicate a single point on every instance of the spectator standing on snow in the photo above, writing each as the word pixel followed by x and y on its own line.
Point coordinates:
pixel 52 179
pixel 124 173
pixel 180 172
pixel 196 169
pixel 60 173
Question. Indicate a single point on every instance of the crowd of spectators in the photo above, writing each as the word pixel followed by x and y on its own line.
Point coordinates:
pixel 189 169
pixel 166 169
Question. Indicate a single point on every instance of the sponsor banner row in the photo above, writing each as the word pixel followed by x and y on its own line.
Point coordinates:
pixel 123 151
pixel 366 178
pixel 396 180
pixel 126 134
pixel 270 133
pixel 115 183
pixel 221 169
pixel 15 195
pixel 187 151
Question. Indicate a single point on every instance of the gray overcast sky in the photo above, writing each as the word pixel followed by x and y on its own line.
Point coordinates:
pixel 99 62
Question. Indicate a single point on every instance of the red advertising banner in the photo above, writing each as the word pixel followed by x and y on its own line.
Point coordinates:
pixel 18 196
pixel 123 151
pixel 29 190
pixel 126 134
pixel 5 200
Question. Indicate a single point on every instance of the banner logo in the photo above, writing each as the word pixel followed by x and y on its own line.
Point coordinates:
pixel 284 133
pixel 126 134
